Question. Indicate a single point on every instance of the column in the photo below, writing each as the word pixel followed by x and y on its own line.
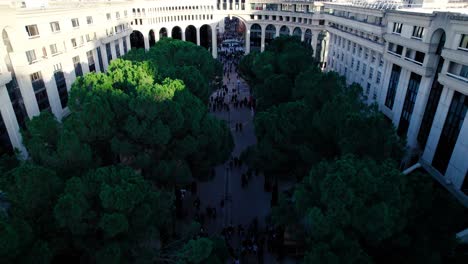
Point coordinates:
pixel 104 57
pixel 247 40
pixel 29 97
pixel 156 35
pixel 122 52
pixel 52 92
pixel 302 34
pixel 183 33
pixel 262 45
pixel 277 30
pixel 11 124
pixel 146 40
pixel 198 36
pixel 314 42
pixel 129 45
pixel 438 124
pixel 169 33
pixel 214 44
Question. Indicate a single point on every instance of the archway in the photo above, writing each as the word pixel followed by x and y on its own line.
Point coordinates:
pixel 137 40
pixel 308 37
pixel 297 32
pixel 232 39
pixel 255 37
pixel 284 31
pixel 162 33
pixel 151 38
pixel 205 36
pixel 270 34
pixel 176 33
pixel 191 34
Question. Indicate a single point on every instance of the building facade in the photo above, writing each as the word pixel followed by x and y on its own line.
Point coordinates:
pixel 410 57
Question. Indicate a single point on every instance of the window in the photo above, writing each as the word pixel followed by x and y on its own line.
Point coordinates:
pixel 415 56
pixel 408 105
pixel 364 68
pixel 77 65
pixel 352 62
pixel 31 56
pixel 55 26
pixel 108 16
pixel 109 53
pixel 458 71
pixel 395 49
pixel 88 38
pixel 429 112
pixel 53 49
pixel 61 84
pixel 397 28
pixel 368 88
pixel 418 32
pixel 125 13
pixel 379 76
pixel 117 15
pixel 32 31
pixel 89 20
pixel 74 44
pixel 464 42
pixel 358 65
pixel 75 22
pixel 392 86
pixel 36 81
pixel 371 72
pixel 91 64
pixel 451 130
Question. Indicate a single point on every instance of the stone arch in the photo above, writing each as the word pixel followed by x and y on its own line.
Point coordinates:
pixel 284 31
pixel 137 40
pixel 438 38
pixel 270 34
pixel 205 36
pixel 255 37
pixel 151 38
pixel 163 33
pixel 176 32
pixel 191 34
pixel 297 32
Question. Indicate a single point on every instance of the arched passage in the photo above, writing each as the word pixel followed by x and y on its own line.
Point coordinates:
pixel 137 40
pixel 151 38
pixel 284 31
pixel 176 33
pixel 233 36
pixel 270 34
pixel 205 36
pixel 162 33
pixel 255 37
pixel 308 37
pixel 297 32
pixel 191 34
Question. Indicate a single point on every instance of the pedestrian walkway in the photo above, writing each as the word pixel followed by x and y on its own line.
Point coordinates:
pixel 241 204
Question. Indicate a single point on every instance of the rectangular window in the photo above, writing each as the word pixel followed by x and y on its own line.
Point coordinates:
pixel 408 105
pixel 429 112
pixel 124 45
pixel 415 56
pixel 379 76
pixel 77 66
pixel 74 44
pixel 55 26
pixel 117 15
pixel 109 53
pixel 53 49
pixel 89 20
pixel 61 84
pixel 42 99
pixel 101 65
pixel 108 16
pixel 31 56
pixel 352 62
pixel 392 86
pixel 32 31
pixel 364 68
pixel 36 81
pixel 451 130
pixel 75 22
pixel 371 72
pixel 91 64
pixel 117 48
pixel 395 49
pixel 464 42
pixel 418 32
pixel 397 28
pixel 458 71
pixel 368 88
pixel 358 65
